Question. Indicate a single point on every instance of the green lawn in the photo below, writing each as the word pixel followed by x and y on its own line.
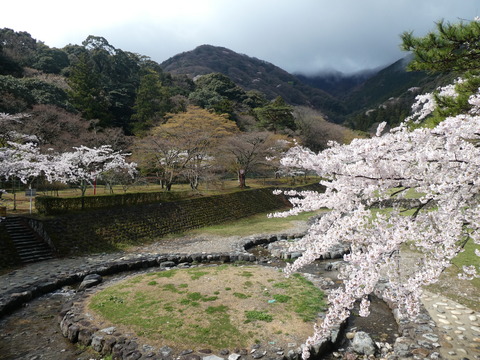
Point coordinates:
pixel 257 224
pixel 196 308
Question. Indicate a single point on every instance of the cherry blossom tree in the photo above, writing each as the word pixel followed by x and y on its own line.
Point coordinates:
pixel 21 160
pixel 19 156
pixel 8 131
pixel 367 184
pixel 83 165
pixel 442 164
pixel 25 161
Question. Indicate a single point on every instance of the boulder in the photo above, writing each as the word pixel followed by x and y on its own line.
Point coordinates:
pixel 97 342
pixel 363 344
pixel 89 281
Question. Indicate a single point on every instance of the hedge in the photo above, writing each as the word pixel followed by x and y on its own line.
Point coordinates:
pixel 51 205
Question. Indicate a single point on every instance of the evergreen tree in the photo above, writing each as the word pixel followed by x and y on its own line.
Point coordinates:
pixel 453 48
pixel 151 102
pixel 50 60
pixel 86 93
pixel 219 93
pixel 277 115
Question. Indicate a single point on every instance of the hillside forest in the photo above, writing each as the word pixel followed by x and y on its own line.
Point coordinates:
pixel 179 123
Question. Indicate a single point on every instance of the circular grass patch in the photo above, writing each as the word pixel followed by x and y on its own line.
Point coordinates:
pixel 216 307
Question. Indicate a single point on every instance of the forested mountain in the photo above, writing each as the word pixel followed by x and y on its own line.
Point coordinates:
pixel 118 88
pixel 389 95
pixel 376 96
pixel 253 74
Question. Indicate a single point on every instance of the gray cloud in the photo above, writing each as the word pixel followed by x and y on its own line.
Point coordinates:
pixel 306 36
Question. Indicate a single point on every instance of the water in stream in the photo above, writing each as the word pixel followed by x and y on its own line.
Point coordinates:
pixel 33 332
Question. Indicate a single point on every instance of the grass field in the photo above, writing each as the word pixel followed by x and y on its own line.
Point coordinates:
pixel 255 224
pixel 218 307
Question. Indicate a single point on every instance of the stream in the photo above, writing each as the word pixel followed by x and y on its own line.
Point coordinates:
pixel 33 332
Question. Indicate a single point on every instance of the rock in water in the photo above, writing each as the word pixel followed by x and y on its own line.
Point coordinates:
pixel 363 344
pixel 89 281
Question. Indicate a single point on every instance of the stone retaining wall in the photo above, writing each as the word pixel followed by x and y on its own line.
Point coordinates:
pixel 104 230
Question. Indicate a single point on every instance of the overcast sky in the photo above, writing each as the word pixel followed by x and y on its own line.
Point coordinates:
pixel 306 36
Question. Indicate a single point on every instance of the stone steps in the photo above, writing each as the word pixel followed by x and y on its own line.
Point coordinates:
pixel 27 243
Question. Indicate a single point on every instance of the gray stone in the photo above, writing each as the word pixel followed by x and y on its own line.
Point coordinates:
pixel 292 355
pixel 425 344
pixel 363 344
pixel 167 264
pixel 131 345
pixel 72 333
pixel 334 335
pixel 423 329
pixel 191 357
pixel 234 356
pixel 108 345
pixel 85 336
pixel 165 351
pixel 117 351
pixel 64 324
pixel 402 347
pixel 186 352
pixel 259 354
pixel 431 337
pixel 212 357
pixel 109 330
pixel 97 342
pixel 134 355
pixel 89 281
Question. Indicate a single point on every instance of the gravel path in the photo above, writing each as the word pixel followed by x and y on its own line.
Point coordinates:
pixel 33 273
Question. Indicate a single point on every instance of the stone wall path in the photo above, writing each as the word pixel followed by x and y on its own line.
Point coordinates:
pixel 458 326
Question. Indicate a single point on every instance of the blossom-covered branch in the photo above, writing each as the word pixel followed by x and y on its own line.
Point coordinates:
pixel 442 165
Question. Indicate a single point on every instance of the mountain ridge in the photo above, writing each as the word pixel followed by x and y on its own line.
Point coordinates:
pixel 254 74
pixel 342 98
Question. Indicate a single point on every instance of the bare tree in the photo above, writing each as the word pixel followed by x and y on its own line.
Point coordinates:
pixel 315 132
pixel 183 146
pixel 247 152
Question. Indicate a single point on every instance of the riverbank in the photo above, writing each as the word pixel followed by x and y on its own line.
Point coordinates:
pixel 454 340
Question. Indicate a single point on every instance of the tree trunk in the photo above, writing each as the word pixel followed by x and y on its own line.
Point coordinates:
pixel 83 189
pixel 241 179
pixel 169 181
pixel 194 182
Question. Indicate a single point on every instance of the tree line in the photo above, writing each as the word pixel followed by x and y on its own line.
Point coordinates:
pixel 94 94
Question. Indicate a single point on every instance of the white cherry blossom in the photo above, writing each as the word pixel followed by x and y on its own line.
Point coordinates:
pixel 441 164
